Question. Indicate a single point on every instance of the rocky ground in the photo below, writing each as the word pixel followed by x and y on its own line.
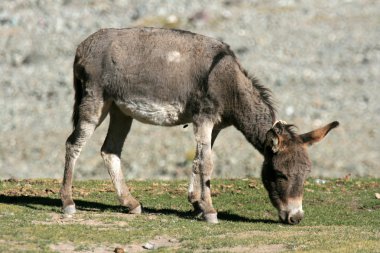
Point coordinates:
pixel 321 59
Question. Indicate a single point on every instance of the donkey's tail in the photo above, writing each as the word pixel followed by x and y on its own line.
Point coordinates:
pixel 78 73
pixel 78 89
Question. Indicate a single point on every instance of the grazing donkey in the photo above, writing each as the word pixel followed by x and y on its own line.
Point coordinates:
pixel 172 77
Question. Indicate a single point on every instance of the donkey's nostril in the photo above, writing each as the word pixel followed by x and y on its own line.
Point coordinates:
pixel 292 219
pixel 295 219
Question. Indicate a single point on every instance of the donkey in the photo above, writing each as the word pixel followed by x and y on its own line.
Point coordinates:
pixel 174 77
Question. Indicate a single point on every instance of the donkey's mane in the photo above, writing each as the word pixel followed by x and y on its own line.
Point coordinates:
pixel 264 93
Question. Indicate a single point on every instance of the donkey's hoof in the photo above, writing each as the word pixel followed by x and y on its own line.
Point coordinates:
pixel 211 218
pixel 136 210
pixel 69 210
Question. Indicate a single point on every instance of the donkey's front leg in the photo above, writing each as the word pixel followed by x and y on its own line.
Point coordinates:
pixel 199 189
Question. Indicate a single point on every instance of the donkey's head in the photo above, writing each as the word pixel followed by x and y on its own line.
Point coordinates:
pixel 286 166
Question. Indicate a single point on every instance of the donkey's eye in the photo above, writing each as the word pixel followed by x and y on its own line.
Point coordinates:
pixel 280 175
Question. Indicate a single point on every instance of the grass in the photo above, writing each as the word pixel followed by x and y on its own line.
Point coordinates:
pixel 342 215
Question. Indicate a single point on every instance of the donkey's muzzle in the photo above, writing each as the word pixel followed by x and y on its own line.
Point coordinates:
pixel 291 218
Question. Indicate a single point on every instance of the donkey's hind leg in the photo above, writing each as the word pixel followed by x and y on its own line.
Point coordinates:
pixel 91 114
pixel 119 127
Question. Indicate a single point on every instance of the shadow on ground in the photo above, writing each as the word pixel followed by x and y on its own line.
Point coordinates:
pixel 34 201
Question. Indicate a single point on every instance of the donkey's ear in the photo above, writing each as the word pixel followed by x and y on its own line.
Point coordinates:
pixel 273 137
pixel 318 134
pixel 273 140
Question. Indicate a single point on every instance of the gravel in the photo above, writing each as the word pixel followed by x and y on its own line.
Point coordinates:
pixel 321 59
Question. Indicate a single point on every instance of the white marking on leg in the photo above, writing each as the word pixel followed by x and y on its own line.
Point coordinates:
pixel 69 210
pixel 192 180
pixel 86 130
pixel 112 163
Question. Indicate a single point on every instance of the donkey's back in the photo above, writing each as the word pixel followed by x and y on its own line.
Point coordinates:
pixel 153 75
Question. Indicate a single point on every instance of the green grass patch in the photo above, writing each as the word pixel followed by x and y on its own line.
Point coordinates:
pixel 341 215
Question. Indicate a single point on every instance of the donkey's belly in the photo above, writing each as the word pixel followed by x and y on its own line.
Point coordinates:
pixel 164 114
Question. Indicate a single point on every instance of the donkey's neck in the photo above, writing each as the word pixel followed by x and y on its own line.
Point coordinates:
pixel 254 114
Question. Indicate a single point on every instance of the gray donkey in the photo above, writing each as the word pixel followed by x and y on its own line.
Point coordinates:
pixel 173 77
